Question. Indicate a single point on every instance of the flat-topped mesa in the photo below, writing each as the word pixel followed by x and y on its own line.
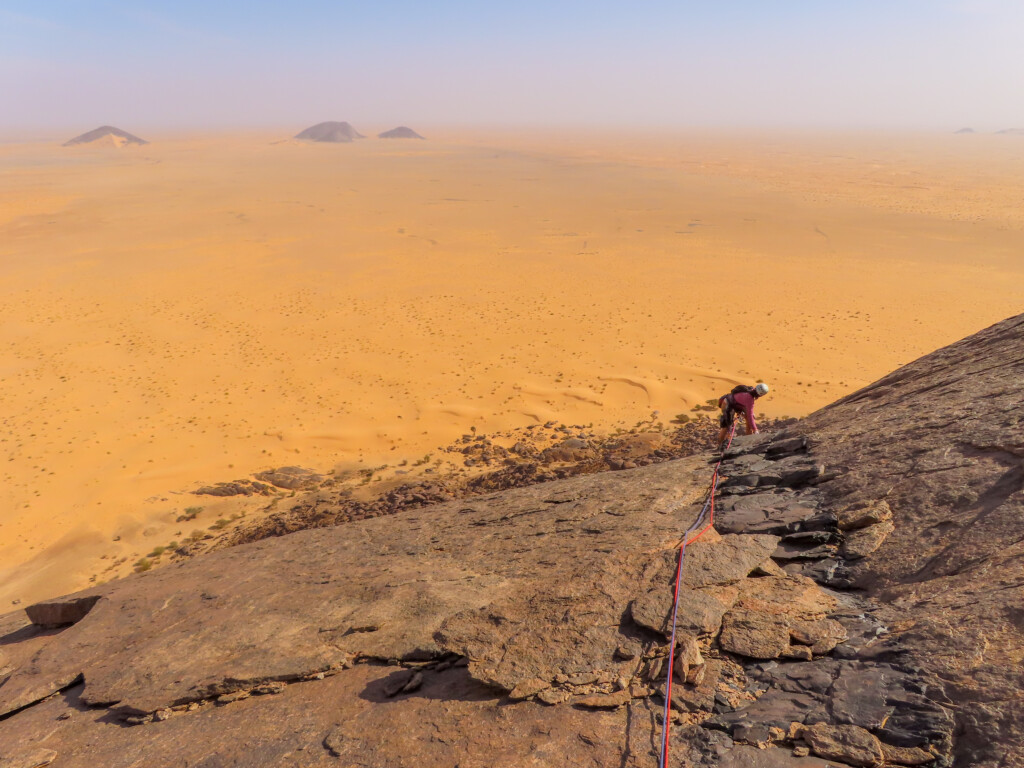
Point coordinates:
pixel 331 132
pixel 401 132
pixel 106 134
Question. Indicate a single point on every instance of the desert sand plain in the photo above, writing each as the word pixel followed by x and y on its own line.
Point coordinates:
pixel 201 308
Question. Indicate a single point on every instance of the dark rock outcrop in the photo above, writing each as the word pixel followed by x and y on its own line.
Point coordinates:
pixel 61 611
pixel 938 448
pixel 291 478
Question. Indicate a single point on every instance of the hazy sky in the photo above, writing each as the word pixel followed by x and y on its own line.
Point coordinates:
pixel 144 65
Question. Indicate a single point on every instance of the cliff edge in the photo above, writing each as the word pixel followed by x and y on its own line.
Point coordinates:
pixel 860 601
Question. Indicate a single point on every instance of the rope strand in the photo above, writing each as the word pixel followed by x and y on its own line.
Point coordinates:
pixel 688 538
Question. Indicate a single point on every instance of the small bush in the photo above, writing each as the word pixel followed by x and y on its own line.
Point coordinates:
pixel 190 514
pixel 142 565
pixel 157 551
pixel 220 524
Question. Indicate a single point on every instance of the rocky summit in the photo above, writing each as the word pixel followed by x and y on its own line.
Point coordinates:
pixel 858 602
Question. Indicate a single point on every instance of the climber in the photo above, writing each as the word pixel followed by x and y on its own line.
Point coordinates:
pixel 740 400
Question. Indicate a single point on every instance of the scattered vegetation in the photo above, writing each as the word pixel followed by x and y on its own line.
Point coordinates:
pixel 191 513
pixel 225 522
pixel 142 565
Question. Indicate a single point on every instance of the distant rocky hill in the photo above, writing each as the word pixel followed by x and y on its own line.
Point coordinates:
pixel 401 132
pixel 860 602
pixel 108 134
pixel 332 132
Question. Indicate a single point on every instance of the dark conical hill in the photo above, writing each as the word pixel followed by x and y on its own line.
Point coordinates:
pixel 401 132
pixel 331 132
pixel 119 137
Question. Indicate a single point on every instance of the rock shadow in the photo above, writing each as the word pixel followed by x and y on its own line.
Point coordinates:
pixel 28 632
pixel 453 684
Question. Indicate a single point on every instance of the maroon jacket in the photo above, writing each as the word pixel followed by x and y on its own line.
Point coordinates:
pixel 743 402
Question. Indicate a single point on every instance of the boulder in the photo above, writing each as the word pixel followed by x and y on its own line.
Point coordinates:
pixel 781 448
pixel 792 597
pixel 570 449
pixel 863 514
pixel 802 476
pixel 699 695
pixel 687 660
pixel 846 743
pixel 863 541
pixel 821 635
pixel 528 688
pixel 61 611
pixel 700 610
pixel 906 755
pixel 754 634
pixel 553 696
pixel 726 561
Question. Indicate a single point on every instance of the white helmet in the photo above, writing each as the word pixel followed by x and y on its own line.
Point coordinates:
pixel 761 389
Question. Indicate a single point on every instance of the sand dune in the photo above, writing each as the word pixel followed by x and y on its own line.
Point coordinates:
pixel 200 309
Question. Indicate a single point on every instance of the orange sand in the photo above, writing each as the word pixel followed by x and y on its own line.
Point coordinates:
pixel 195 310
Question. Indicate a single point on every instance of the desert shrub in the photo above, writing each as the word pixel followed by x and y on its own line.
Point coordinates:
pixel 190 514
pixel 157 551
pixel 142 565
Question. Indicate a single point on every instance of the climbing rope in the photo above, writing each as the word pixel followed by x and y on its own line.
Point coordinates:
pixel 691 535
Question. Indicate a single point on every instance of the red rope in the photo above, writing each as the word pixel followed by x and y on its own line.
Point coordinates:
pixel 689 537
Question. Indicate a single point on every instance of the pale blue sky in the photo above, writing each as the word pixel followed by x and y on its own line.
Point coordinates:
pixel 934 64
